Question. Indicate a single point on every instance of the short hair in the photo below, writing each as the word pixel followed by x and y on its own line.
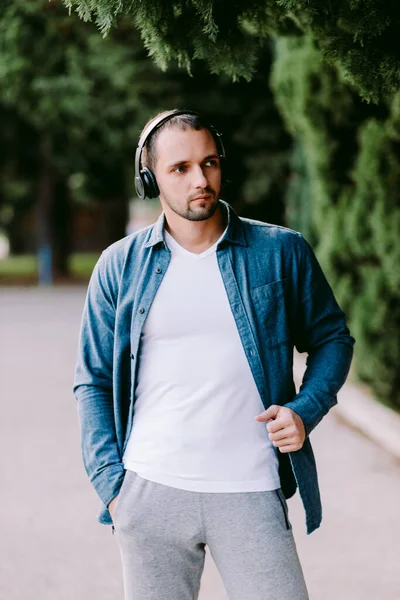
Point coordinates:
pixel 182 122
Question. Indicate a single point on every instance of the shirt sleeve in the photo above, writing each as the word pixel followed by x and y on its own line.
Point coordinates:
pixel 320 330
pixel 93 387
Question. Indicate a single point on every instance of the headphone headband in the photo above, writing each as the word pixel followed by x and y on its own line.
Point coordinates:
pixel 142 176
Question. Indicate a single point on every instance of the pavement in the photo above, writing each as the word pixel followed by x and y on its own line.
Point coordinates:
pixel 52 546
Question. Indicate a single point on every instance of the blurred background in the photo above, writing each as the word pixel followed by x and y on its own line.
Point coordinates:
pixel 307 99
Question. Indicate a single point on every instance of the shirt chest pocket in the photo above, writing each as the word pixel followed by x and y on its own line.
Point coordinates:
pixel 270 311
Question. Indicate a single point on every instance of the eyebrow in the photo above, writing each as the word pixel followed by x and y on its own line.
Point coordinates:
pixel 184 162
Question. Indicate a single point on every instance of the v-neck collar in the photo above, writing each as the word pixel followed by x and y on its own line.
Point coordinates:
pixel 171 241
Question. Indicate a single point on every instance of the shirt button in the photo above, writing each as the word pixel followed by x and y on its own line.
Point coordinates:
pixel 158 270
pixel 141 310
pixel 132 356
pixel 252 353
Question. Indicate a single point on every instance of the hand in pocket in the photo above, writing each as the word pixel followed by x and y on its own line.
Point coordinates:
pixel 111 506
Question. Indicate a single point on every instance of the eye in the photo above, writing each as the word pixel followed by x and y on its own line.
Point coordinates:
pixel 212 162
pixel 179 169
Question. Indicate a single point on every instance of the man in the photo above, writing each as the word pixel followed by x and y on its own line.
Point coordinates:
pixel 192 431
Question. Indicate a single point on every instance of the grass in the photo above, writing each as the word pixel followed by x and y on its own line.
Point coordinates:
pixel 24 269
pixel 82 264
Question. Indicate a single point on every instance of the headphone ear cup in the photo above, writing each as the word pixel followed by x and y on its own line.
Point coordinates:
pixel 139 187
pixel 149 183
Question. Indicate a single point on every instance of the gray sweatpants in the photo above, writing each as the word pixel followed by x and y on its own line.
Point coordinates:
pixel 162 531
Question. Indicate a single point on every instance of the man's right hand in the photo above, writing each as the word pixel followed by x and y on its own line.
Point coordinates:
pixel 111 506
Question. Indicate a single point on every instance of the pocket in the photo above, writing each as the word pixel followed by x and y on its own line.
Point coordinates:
pixel 269 302
pixel 120 494
pixel 284 506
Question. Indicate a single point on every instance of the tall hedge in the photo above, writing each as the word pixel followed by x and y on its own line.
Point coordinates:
pixel 348 184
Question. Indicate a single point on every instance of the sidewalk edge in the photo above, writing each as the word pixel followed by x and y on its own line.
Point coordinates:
pixel 357 407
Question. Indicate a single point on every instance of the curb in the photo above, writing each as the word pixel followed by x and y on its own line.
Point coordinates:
pixel 358 408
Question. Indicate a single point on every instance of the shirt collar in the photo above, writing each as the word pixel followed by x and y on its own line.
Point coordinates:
pixel 234 232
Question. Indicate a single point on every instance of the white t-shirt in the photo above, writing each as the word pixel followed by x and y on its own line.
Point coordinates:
pixel 193 425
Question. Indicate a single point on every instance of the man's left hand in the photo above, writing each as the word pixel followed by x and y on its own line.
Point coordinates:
pixel 286 430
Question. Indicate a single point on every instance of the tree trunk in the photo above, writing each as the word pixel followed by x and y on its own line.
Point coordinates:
pixel 117 218
pixel 61 226
pixel 52 214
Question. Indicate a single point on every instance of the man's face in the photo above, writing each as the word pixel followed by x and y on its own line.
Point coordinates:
pixel 188 172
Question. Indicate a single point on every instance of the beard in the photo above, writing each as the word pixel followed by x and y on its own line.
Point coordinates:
pixel 195 211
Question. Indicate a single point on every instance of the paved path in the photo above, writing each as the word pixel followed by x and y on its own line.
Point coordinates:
pixel 52 547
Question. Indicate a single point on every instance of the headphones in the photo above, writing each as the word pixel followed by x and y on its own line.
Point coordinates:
pixel 145 181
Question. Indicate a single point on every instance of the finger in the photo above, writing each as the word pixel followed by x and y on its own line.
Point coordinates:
pixel 282 434
pixel 283 442
pixel 289 448
pixel 276 425
pixel 293 439
pixel 271 413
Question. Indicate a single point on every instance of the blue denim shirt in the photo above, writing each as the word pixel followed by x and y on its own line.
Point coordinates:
pixel 280 299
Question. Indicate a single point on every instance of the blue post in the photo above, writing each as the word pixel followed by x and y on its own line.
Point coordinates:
pixel 45 260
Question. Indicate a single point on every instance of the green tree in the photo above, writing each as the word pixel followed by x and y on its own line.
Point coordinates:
pixel 70 92
pixel 359 38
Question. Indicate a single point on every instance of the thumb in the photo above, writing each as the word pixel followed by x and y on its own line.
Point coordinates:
pixel 271 413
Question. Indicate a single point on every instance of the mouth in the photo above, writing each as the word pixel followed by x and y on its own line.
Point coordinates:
pixel 203 197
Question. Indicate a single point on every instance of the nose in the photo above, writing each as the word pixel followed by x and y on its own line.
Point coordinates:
pixel 199 178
